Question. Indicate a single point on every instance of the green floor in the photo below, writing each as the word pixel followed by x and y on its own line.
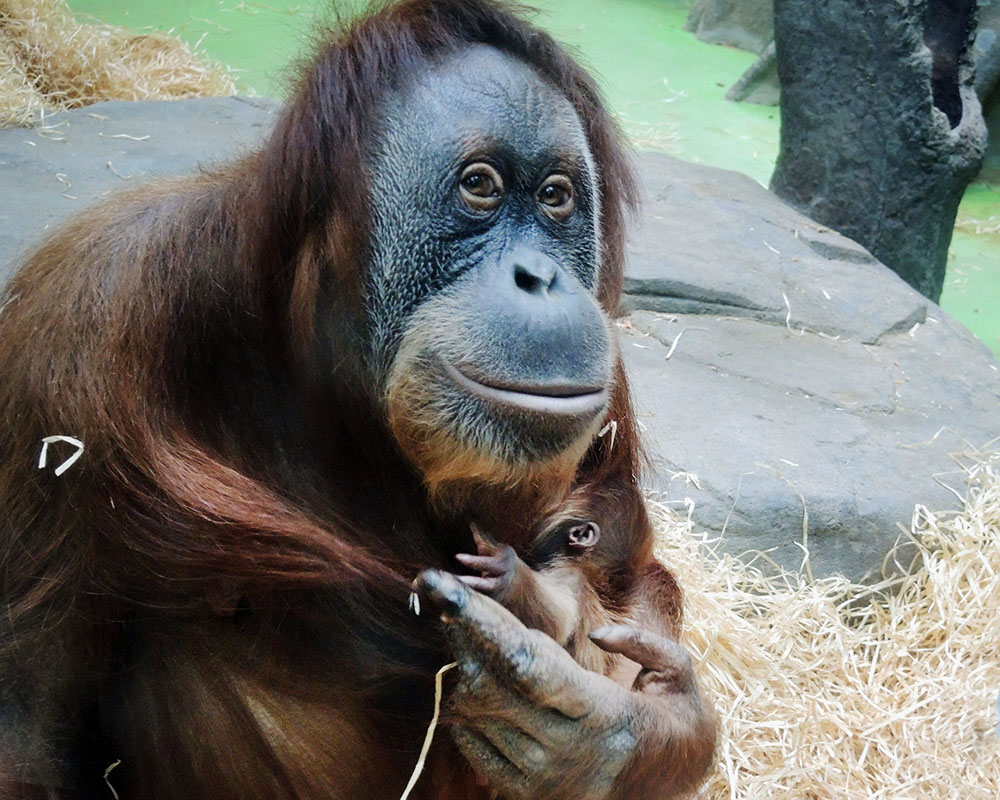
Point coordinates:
pixel 667 87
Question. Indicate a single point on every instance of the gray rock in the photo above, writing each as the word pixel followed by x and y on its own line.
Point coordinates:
pixel 792 387
pixel 759 84
pixel 990 172
pixel 781 374
pixel 746 24
pixel 755 268
pixel 54 171
pixel 986 49
pixel 986 53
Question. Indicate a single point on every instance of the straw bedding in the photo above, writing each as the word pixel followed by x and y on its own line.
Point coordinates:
pixel 50 61
pixel 827 689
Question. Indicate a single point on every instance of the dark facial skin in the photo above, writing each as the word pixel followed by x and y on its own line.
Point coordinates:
pixel 485 259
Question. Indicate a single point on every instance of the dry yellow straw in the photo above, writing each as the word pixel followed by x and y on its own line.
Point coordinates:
pixel 830 689
pixel 108 780
pixel 51 61
pixel 429 736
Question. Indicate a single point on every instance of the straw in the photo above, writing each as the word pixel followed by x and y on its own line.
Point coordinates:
pixel 830 689
pixel 50 61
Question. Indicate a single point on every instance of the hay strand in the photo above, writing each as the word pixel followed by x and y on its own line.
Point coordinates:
pixel 429 736
pixel 43 456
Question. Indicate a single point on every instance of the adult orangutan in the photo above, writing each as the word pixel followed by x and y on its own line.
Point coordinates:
pixel 300 382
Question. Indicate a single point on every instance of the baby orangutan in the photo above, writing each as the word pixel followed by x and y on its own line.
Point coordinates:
pixel 557 597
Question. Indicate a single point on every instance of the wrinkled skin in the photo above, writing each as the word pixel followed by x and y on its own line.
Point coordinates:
pixel 528 716
pixel 486 331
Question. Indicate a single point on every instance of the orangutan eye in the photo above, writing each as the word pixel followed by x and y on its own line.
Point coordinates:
pixel 555 197
pixel 481 187
pixel 584 536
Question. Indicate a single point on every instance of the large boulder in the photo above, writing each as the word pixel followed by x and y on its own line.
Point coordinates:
pixel 800 393
pixel 746 24
pixel 791 387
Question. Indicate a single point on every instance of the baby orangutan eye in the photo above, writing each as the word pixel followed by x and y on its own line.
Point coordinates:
pixel 481 187
pixel 583 537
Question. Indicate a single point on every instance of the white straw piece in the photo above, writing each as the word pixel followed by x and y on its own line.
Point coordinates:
pixel 429 736
pixel 69 462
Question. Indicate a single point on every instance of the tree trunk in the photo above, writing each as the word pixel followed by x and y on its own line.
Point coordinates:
pixel 881 130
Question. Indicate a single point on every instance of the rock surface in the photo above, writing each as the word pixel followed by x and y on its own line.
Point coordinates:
pixel 871 144
pixel 759 84
pixel 786 378
pixel 986 54
pixel 746 24
pixel 49 173
pixel 782 375
pixel 713 21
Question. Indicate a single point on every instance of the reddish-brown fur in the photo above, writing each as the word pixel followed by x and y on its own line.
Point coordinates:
pixel 216 592
pixel 567 594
